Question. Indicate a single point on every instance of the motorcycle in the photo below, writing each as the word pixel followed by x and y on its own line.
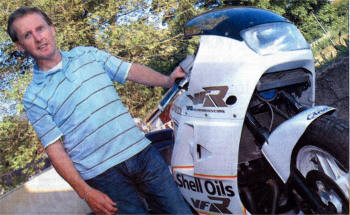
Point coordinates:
pixel 244 135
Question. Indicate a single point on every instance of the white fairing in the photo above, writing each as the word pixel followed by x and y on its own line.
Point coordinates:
pixel 208 130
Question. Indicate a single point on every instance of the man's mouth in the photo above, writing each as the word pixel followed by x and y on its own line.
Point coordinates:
pixel 42 46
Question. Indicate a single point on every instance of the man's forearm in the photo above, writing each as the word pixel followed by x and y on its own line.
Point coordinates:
pixel 145 75
pixel 64 166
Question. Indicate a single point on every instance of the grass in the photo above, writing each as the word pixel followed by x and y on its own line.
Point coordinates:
pixel 331 46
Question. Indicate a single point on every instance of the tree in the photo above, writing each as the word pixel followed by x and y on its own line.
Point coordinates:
pixel 106 24
pixel 127 29
pixel 21 152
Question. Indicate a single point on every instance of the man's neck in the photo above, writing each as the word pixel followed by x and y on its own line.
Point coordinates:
pixel 49 63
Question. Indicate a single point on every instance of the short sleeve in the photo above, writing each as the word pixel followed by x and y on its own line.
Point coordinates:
pixel 116 68
pixel 43 124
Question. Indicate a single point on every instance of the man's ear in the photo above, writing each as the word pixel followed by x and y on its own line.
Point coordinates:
pixel 53 30
pixel 20 47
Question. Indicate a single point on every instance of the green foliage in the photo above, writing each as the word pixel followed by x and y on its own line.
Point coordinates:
pixel 105 24
pixel 92 23
pixel 331 53
pixel 145 42
pixel 141 103
pixel 20 150
pixel 343 49
pixel 335 43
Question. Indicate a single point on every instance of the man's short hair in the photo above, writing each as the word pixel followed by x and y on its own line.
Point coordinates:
pixel 21 12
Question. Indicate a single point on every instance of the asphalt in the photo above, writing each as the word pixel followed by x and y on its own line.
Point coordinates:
pixel 46 193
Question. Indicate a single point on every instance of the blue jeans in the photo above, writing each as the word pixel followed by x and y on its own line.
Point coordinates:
pixel 145 176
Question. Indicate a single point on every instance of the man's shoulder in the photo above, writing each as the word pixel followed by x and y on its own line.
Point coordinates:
pixel 87 52
pixel 80 50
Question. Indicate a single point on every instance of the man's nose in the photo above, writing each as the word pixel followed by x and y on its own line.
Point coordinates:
pixel 37 37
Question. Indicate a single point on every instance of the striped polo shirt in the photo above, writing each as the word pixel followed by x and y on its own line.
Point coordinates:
pixel 79 104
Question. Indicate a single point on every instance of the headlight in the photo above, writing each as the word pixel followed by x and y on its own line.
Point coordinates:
pixel 274 37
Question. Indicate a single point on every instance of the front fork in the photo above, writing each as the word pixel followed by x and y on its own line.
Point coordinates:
pixel 297 183
pixel 270 144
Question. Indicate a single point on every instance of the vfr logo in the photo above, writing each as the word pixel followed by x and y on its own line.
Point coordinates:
pixel 219 206
pixel 210 97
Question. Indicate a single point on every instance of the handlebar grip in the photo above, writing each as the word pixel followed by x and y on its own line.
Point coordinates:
pixel 178 81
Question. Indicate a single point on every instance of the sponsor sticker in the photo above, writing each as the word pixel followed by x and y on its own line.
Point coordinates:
pixel 214 196
pixel 210 97
pixel 317 113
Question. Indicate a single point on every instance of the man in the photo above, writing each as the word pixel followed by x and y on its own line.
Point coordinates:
pixel 87 133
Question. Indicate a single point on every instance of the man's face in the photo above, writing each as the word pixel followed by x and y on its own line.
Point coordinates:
pixel 35 36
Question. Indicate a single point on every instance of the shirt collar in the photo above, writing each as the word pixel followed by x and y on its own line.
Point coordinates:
pixel 40 76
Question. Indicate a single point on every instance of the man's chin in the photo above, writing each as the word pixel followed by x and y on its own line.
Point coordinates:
pixel 44 56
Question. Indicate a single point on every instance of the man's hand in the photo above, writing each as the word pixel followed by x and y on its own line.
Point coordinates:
pixel 100 203
pixel 177 73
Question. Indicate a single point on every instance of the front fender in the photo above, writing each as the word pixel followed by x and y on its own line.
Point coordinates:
pixel 278 149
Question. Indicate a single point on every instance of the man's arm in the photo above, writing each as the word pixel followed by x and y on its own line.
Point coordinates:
pixel 145 75
pixel 98 201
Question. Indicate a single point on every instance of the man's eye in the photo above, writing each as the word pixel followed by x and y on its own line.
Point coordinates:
pixel 27 35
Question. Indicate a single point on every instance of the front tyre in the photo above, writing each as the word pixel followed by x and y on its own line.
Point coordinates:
pixel 321 156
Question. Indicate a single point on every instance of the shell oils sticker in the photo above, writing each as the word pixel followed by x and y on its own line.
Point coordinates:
pixel 208 196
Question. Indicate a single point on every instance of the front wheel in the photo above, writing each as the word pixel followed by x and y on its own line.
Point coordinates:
pixel 321 156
